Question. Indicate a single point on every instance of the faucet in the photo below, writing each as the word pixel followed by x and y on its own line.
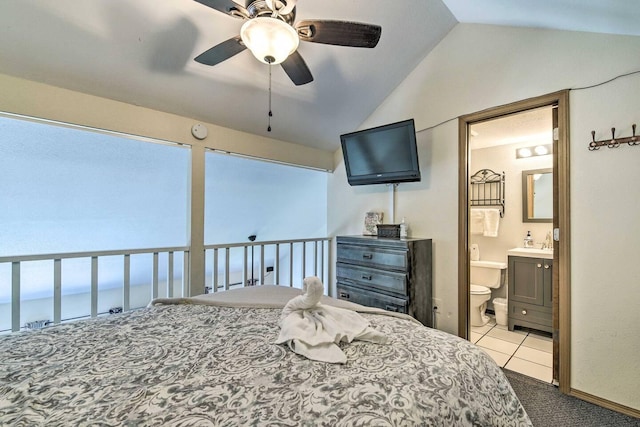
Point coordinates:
pixel 548 242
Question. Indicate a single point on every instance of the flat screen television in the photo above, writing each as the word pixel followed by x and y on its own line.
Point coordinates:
pixel 382 155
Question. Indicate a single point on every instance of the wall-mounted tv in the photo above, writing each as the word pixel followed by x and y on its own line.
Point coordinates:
pixel 381 155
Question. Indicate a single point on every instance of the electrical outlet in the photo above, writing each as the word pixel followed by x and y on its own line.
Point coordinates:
pixel 436 306
pixel 37 324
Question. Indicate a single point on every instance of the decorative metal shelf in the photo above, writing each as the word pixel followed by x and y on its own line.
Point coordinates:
pixel 487 189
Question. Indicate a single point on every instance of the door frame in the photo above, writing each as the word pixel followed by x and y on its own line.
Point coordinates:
pixel 562 250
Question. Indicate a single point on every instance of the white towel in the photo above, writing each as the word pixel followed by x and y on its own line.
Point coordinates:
pixel 491 222
pixel 313 290
pixel 313 330
pixel 477 221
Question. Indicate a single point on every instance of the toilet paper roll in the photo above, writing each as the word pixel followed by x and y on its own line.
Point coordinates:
pixel 475 252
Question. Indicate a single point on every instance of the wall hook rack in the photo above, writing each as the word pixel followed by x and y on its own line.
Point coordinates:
pixel 614 142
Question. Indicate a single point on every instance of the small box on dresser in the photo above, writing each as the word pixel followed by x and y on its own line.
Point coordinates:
pixel 390 273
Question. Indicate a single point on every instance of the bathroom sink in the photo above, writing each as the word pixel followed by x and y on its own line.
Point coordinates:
pixel 531 252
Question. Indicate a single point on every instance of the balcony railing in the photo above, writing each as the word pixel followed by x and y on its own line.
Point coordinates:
pixel 283 262
pixel 289 261
pixel 58 259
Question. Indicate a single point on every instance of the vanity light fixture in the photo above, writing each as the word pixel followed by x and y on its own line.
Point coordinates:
pixel 538 150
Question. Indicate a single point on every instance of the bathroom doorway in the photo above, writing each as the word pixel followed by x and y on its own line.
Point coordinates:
pixel 496 153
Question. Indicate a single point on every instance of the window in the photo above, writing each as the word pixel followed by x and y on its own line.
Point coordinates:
pixel 68 189
pixel 245 197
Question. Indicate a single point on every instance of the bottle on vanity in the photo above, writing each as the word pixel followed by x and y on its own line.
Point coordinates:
pixel 528 240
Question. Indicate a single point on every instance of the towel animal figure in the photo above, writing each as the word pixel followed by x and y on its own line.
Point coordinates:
pixel 314 330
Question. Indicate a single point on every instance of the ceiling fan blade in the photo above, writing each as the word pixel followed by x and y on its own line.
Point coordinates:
pixel 341 33
pixel 221 52
pixel 226 6
pixel 297 69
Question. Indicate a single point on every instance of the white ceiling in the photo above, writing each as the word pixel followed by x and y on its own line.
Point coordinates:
pixel 141 52
pixel 597 16
pixel 531 127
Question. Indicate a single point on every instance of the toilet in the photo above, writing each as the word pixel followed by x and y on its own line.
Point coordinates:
pixel 485 275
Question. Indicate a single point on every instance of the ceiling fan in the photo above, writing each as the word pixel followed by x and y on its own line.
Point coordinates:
pixel 271 35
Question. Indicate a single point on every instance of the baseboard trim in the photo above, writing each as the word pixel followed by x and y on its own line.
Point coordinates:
pixel 605 403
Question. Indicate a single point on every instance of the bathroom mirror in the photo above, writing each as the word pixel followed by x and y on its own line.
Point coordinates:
pixel 537 195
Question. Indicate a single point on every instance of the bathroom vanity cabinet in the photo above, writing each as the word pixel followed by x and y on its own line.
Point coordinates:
pixel 389 273
pixel 530 294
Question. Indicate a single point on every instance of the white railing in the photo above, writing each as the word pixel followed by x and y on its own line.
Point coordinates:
pixel 288 261
pixel 284 262
pixel 58 258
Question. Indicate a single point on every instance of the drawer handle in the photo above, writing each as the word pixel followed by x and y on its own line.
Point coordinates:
pixel 539 265
pixel 546 266
pixel 367 256
pixel 524 312
pixel 344 295
pixel 391 308
pixel 366 277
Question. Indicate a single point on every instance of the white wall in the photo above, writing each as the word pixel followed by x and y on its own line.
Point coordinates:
pixel 481 66
pixel 477 67
pixel 605 291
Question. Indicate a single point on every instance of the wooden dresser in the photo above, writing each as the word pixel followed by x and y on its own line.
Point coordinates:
pixel 394 274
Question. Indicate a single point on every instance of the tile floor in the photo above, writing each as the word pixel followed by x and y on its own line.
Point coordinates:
pixel 528 352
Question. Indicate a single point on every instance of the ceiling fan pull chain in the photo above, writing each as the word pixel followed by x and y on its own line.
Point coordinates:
pixel 270 112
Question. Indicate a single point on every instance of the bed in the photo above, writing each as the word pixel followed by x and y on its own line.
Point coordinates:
pixel 211 361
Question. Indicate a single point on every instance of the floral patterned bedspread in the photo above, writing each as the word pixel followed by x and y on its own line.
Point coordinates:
pixel 199 365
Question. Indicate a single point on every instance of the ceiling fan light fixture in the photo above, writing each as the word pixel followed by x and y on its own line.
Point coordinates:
pixel 270 40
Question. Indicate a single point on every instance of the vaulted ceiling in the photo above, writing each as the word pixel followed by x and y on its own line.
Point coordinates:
pixel 141 52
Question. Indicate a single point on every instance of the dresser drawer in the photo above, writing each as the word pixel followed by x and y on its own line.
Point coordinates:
pixel 530 313
pixel 373 256
pixel 371 278
pixel 372 299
